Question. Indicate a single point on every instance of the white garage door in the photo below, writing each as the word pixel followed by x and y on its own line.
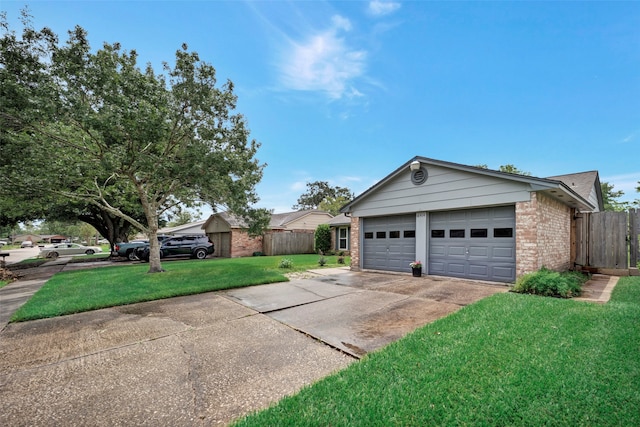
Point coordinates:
pixel 389 242
pixel 474 244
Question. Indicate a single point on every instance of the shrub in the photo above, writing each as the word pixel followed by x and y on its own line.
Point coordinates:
pixel 322 238
pixel 286 263
pixel 551 283
pixel 322 261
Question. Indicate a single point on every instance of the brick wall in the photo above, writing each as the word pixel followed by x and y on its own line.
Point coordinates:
pixel 243 245
pixel 354 242
pixel 543 235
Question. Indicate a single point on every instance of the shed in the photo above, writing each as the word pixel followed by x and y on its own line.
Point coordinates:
pixel 468 222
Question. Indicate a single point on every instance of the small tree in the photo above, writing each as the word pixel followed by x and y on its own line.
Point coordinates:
pixel 610 198
pixel 323 238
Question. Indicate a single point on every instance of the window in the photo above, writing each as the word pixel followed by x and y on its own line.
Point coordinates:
pixel 368 235
pixel 503 232
pixel 456 234
pixel 343 241
pixel 381 235
pixel 479 232
pixel 394 234
pixel 409 234
pixel 437 234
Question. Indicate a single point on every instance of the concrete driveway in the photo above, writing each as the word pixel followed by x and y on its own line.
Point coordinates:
pixel 211 358
pixel 359 312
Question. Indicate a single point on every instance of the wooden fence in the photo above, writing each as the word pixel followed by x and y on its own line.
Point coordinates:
pixel 608 239
pixel 288 243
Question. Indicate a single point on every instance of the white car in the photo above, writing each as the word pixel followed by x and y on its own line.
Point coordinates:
pixel 61 249
pixel 26 244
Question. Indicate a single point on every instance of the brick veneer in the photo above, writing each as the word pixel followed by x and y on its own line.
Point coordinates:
pixel 244 245
pixel 354 242
pixel 543 235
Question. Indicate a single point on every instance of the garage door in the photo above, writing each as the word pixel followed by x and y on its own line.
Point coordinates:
pixel 389 242
pixel 474 244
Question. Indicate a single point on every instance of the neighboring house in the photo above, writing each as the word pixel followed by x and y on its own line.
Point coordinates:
pixel 53 238
pixel 231 240
pixel 184 229
pixel 19 238
pixel 340 233
pixel 469 222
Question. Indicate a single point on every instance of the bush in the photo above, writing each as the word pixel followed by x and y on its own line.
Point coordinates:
pixel 551 283
pixel 322 261
pixel 286 263
pixel 322 238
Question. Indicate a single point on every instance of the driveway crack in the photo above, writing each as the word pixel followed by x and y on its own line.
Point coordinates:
pixel 193 376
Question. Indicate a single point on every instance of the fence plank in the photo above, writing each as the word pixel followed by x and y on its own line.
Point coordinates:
pixel 634 235
pixel 608 240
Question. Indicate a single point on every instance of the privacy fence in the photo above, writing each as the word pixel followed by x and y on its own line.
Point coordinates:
pixel 287 243
pixel 608 240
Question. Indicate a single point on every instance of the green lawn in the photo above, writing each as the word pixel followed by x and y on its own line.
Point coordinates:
pixel 508 360
pixel 91 289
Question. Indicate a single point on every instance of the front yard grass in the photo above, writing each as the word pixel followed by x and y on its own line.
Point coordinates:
pixel 92 289
pixel 509 359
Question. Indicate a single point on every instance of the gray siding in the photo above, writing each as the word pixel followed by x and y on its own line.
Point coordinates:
pixel 444 189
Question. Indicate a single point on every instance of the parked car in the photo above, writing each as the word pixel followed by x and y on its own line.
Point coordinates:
pixel 198 246
pixel 55 251
pixel 26 244
pixel 128 249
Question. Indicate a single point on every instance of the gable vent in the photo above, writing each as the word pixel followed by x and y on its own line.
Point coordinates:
pixel 419 176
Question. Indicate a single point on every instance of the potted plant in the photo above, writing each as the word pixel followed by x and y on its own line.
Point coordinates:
pixel 416 268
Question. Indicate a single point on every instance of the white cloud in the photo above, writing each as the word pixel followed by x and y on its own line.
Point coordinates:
pixel 381 8
pixel 631 137
pixel 324 62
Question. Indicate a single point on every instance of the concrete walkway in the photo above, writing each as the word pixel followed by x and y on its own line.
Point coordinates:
pixel 15 294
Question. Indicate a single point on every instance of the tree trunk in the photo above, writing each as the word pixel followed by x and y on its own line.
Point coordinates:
pixel 155 266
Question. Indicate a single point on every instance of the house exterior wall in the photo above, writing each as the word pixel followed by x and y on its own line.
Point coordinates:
pixel 243 245
pixel 217 225
pixel 543 235
pixel 444 189
pixel 309 222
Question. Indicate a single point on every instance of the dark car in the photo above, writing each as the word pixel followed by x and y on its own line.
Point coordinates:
pixel 128 249
pixel 181 246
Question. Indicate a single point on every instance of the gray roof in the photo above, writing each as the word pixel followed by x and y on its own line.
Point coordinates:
pixel 341 219
pixel 278 221
pixel 582 183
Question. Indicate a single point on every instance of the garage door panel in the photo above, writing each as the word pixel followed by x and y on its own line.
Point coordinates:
pixel 504 253
pixel 504 272
pixel 457 251
pixel 485 248
pixel 479 251
pixel 456 268
pixel 478 270
pixel 438 250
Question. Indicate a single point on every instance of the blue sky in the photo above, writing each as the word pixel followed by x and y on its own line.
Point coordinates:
pixel 346 92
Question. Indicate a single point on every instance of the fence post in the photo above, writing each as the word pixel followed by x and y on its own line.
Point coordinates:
pixel 634 230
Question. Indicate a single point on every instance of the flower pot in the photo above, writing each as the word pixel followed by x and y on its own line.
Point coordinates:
pixel 417 271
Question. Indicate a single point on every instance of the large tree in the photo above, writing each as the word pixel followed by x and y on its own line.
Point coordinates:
pixel 109 127
pixel 321 193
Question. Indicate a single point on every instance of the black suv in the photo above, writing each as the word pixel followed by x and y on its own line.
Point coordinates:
pixel 181 246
